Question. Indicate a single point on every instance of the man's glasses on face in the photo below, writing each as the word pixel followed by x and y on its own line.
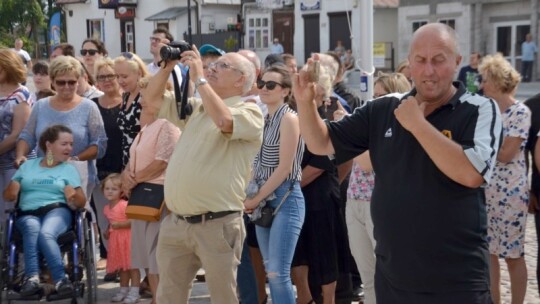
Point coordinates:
pixel 155 39
pixel 219 65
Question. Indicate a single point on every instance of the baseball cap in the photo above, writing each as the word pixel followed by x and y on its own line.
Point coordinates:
pixel 208 48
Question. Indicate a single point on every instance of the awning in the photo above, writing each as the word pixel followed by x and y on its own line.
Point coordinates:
pixel 168 14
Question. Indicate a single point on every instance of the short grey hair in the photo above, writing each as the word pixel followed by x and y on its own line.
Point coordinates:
pixel 248 70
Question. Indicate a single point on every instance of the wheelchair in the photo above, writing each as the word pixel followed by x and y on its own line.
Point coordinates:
pixel 78 249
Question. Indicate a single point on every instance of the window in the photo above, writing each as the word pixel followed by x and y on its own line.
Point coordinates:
pixel 258 32
pixel 417 24
pixel 162 24
pixel 95 29
pixel 450 22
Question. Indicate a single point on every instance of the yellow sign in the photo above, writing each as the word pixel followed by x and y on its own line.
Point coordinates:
pixel 379 49
pixel 379 53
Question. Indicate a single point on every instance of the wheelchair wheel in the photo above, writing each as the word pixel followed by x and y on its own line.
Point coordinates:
pixel 90 294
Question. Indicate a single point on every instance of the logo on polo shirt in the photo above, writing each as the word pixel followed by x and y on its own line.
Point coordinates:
pixel 447 133
pixel 388 133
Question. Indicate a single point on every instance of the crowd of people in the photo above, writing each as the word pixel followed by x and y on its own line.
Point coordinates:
pixel 274 173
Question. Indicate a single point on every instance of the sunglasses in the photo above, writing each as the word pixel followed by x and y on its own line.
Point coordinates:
pixel 62 83
pixel 91 52
pixel 127 55
pixel 270 85
pixel 108 77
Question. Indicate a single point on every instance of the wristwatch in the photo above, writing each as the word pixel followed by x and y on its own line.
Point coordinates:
pixel 75 158
pixel 199 82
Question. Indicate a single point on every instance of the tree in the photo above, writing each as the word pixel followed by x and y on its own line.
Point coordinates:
pixel 21 19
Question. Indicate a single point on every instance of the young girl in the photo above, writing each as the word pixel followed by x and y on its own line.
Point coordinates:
pixel 119 236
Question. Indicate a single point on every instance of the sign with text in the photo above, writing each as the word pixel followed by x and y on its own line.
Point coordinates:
pixel 69 1
pixel 379 54
pixel 112 4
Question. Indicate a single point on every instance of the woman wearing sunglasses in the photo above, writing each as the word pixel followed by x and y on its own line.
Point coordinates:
pixel 79 114
pixel 91 51
pixel 277 171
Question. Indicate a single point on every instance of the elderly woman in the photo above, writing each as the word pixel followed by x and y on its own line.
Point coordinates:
pixel 149 156
pixel 77 113
pixel 14 112
pixel 130 69
pixel 277 170
pixel 91 51
pixel 109 107
pixel 43 207
pixel 507 194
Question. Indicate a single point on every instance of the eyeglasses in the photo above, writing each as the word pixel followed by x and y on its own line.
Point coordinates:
pixel 107 77
pixel 62 83
pixel 91 52
pixel 270 85
pixel 219 65
pixel 155 39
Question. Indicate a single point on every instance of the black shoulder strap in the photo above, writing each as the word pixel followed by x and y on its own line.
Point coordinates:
pixel 181 95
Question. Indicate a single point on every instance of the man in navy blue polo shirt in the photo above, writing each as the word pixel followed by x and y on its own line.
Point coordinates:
pixel 432 149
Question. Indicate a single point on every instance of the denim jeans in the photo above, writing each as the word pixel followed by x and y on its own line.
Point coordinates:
pixel 40 235
pixel 278 242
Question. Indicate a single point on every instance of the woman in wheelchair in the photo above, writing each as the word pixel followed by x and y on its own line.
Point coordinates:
pixel 48 187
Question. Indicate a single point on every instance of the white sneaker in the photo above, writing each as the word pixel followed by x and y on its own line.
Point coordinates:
pixel 132 298
pixel 119 297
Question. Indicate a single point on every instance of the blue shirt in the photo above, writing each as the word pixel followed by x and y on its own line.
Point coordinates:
pixel 41 186
pixel 528 49
pixel 276 49
pixel 84 121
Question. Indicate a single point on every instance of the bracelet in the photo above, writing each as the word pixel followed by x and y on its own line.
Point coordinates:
pixel 76 158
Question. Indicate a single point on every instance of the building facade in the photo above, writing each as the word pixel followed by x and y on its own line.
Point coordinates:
pixel 485 26
pixel 126 25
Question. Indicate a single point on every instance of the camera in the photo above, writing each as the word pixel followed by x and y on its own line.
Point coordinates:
pixel 173 50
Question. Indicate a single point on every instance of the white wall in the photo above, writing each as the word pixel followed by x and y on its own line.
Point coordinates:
pixel 385 28
pixel 76 24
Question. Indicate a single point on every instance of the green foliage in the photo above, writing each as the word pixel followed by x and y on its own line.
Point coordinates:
pixel 19 19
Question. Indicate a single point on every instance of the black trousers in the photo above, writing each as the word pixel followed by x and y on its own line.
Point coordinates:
pixel 388 294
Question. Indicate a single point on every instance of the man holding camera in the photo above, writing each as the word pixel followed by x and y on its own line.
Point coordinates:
pixel 206 178
pixel 161 37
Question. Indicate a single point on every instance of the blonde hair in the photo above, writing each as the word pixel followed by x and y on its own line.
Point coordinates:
pixel 134 62
pixel 402 65
pixel 103 62
pixel 393 82
pixel 64 64
pixel 332 67
pixel 498 70
pixel 114 178
pixel 12 63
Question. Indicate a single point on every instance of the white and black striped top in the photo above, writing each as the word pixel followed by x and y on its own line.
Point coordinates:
pixel 267 159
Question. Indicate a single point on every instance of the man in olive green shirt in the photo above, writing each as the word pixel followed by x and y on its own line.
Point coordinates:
pixel 205 181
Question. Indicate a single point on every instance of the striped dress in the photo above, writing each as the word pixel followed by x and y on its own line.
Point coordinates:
pixel 267 159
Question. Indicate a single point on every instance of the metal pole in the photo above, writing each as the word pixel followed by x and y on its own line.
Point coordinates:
pixel 366 49
pixel 190 37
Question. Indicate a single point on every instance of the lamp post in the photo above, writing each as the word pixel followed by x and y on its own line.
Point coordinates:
pixel 190 37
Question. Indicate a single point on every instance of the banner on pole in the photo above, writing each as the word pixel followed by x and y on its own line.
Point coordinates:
pixel 55 26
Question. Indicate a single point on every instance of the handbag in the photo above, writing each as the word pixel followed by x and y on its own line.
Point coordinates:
pixel 147 200
pixel 268 212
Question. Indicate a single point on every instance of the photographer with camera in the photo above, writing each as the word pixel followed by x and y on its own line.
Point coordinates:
pixel 206 178
pixel 161 37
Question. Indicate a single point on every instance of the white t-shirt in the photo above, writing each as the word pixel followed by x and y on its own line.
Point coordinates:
pixel 24 54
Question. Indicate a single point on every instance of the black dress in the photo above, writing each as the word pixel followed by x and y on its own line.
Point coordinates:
pixel 129 123
pixel 111 162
